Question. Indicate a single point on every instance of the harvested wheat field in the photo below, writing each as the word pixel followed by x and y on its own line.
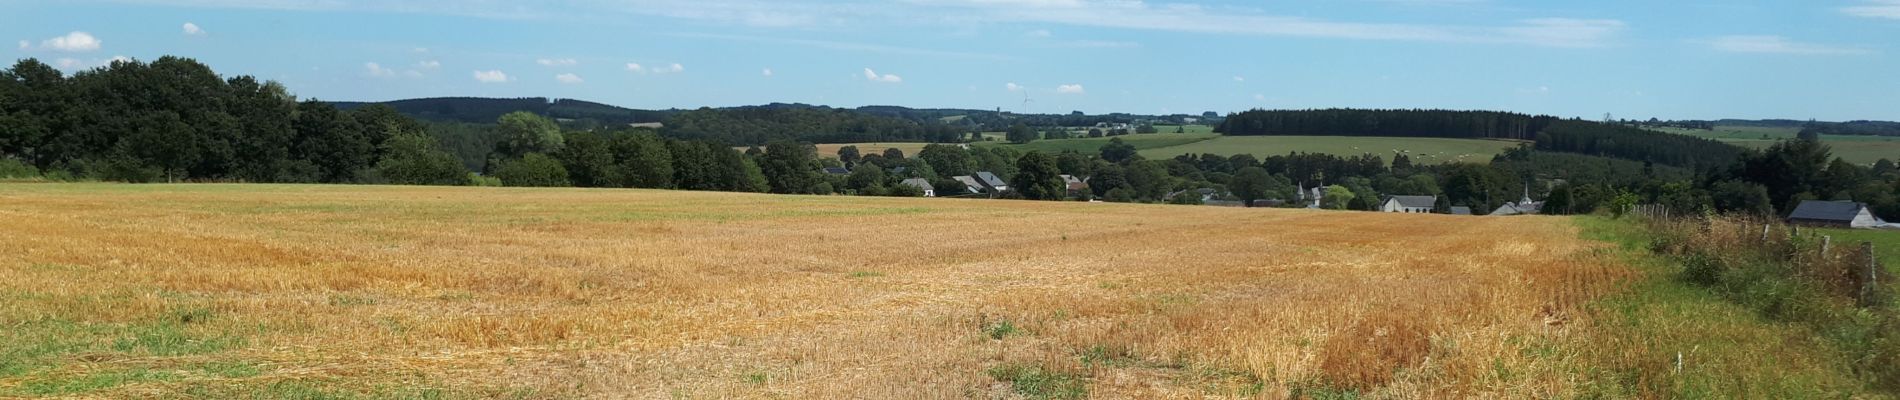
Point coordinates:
pixel 363 291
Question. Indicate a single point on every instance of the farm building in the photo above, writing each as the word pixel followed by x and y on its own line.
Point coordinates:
pixel 1409 204
pixel 920 183
pixel 1076 186
pixel 994 183
pixel 1845 214
pixel 1461 210
pixel 970 184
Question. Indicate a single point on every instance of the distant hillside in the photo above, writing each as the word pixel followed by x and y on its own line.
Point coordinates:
pixel 1862 128
pixel 486 110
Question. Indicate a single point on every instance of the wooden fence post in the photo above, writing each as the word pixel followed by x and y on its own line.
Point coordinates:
pixel 1826 242
pixel 1870 286
pixel 1764 232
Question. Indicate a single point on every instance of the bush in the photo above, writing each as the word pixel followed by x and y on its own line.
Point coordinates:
pixel 14 169
pixel 475 179
pixel 533 170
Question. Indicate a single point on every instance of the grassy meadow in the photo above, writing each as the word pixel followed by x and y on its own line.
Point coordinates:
pixel 1093 145
pixel 364 291
pixel 1864 150
pixel 1422 150
pixel 909 149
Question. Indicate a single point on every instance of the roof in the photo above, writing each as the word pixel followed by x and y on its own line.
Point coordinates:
pixel 1461 210
pixel 990 179
pixel 920 183
pixel 1416 201
pixel 1816 210
pixel 1070 179
pixel 837 171
pixel 967 180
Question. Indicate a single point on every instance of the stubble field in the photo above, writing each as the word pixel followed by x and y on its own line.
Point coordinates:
pixel 356 291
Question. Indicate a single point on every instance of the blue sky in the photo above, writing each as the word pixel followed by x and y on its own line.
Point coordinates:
pixel 1824 59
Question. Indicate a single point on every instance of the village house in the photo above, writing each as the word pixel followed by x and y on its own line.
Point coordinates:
pixel 1840 214
pixel 1076 186
pixel 991 181
pixel 1409 204
pixel 970 184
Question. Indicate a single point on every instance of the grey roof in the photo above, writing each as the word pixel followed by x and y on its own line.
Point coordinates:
pixel 920 183
pixel 991 179
pixel 1416 201
pixel 1816 210
pixel 969 181
pixel 1460 210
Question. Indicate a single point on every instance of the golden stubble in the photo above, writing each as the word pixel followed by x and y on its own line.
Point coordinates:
pixel 642 294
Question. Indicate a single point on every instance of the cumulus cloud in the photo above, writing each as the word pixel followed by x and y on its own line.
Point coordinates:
pixel 192 29
pixel 492 76
pixel 1259 97
pixel 429 65
pixel 1070 89
pixel 25 45
pixel 377 71
pixel 1013 87
pixel 1238 78
pixel 75 42
pixel 636 67
pixel 1770 44
pixel 557 62
pixel 568 79
pixel 1888 9
pixel 767 72
pixel 885 78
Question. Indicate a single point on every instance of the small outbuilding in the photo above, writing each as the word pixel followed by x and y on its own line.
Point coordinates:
pixel 922 184
pixel 970 184
pixel 1460 210
pixel 1841 214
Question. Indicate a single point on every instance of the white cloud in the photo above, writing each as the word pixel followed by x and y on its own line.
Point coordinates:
pixel 1259 97
pixel 492 76
pixel 377 71
pixel 1040 33
pixel 767 72
pixel 1770 44
pixel 1070 89
pixel 1238 78
pixel 557 62
pixel 192 29
pixel 885 78
pixel 73 42
pixel 568 79
pixel 421 50
pixel 664 69
pixel 429 65
pixel 1889 9
pixel 1232 18
pixel 69 63
pixel 25 45
pixel 1013 87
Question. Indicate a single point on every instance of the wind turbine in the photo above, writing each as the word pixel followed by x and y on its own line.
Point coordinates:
pixel 1026 101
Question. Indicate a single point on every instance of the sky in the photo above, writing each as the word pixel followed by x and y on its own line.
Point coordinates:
pixel 1682 59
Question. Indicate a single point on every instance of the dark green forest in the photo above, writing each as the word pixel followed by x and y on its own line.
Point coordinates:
pixel 174 119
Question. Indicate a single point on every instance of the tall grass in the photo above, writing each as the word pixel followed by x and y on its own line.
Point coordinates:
pixel 1785 275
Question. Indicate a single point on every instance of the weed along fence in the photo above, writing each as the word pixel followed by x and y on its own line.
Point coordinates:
pixel 1713 247
pixel 1792 274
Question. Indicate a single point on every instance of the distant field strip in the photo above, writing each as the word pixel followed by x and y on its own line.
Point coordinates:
pixel 1858 149
pixel 247 291
pixel 1421 150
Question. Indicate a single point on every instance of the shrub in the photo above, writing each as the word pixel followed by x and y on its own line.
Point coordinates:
pixel 14 169
pixel 533 170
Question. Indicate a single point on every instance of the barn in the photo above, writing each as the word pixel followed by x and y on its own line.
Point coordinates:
pixel 1842 214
